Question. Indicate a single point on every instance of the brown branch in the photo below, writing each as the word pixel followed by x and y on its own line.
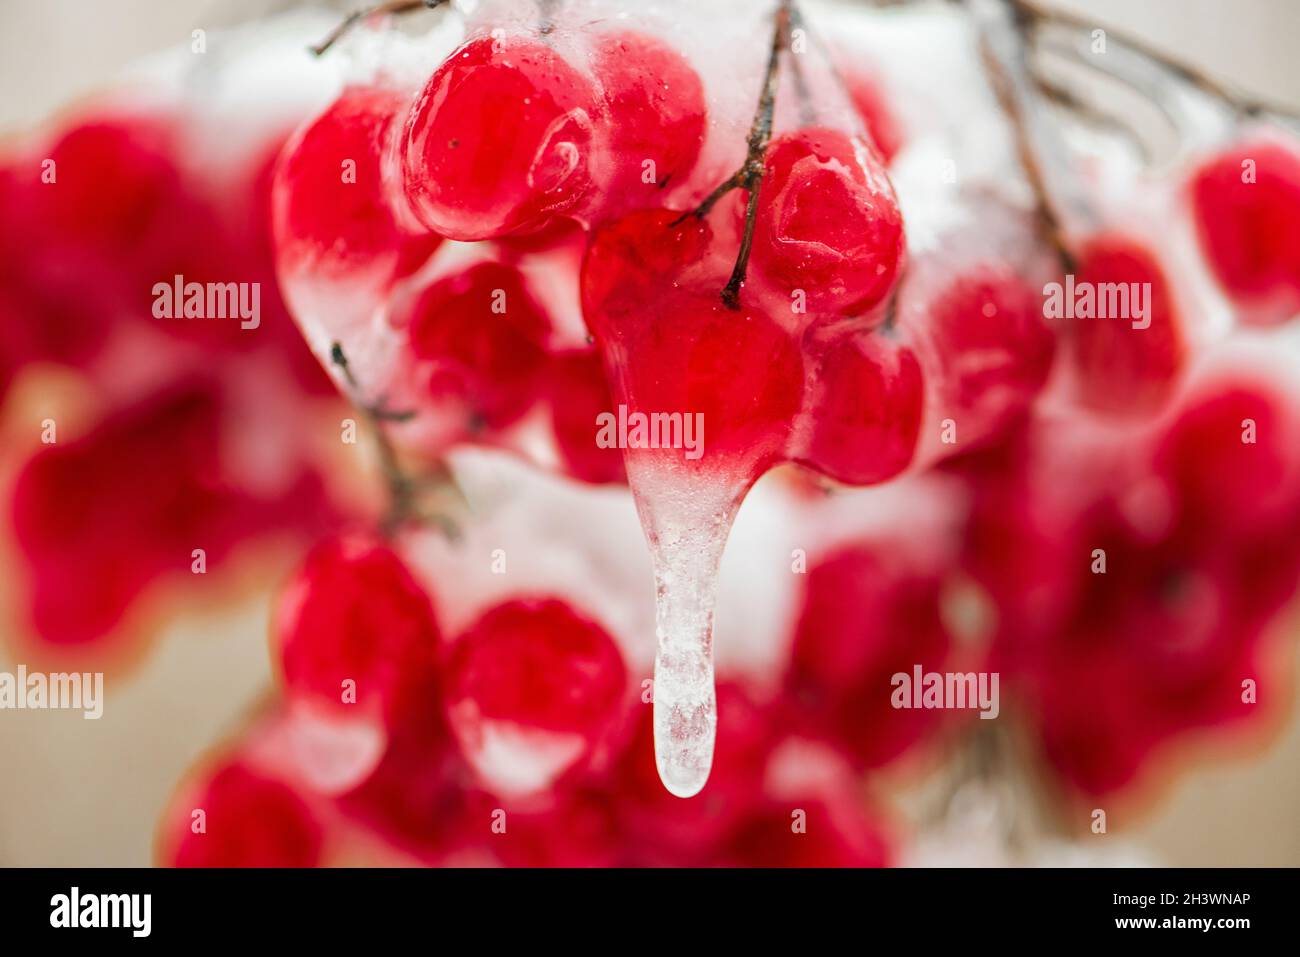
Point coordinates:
pixel 807 115
pixel 1030 15
pixel 379 9
pixel 1071 102
pixel 750 174
pixel 1048 219
pixel 546 17
pixel 403 489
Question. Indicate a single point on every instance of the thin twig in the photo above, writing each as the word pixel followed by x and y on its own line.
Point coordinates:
pixel 750 174
pixel 807 115
pixel 1070 101
pixel 403 490
pixel 1032 15
pixel 546 17
pixel 379 9
pixel 1048 219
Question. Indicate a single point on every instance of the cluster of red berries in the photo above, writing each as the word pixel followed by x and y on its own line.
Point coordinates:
pixel 151 457
pixel 513 145
pixel 560 219
pixel 520 741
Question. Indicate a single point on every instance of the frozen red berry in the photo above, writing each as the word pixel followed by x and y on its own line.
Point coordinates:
pixel 829 225
pixel 1246 202
pixel 989 347
pixel 1127 361
pixel 531 688
pixel 481 338
pixel 865 400
pixel 656 118
pixel 499 140
pixel 579 395
pixel 239 817
pixel 354 632
pixel 651 294
pixel 333 205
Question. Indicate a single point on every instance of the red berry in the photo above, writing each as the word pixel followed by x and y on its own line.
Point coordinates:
pixel 118 202
pixel 115 186
pixel 254 235
pixel 866 616
pixel 1123 369
pixel 249 820
pixel 159 463
pixel 581 829
pixel 1247 207
pixel 46 315
pixel 332 210
pixel 415 797
pixel 354 630
pixel 807 832
pixel 481 337
pixel 828 222
pixel 579 393
pixel 1234 456
pixel 1154 648
pixel 499 140
pixel 631 260
pixel 653 301
pixel 531 688
pixel 991 349
pixel 864 407
pixel 664 829
pixel 656 114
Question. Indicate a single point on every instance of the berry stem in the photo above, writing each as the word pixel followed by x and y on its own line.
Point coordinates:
pixel 750 174
pixel 379 9
pixel 403 489
pixel 1030 16
pixel 807 115
pixel 546 16
pixel 1004 89
pixel 1069 100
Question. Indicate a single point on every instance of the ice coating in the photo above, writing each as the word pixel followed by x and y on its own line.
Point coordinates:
pixel 687 528
pixel 686 508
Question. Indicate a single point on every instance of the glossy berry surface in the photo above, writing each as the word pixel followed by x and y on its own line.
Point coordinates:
pixel 480 337
pixel 1123 369
pixel 499 140
pixel 539 664
pixel 864 408
pixel 828 222
pixel 249 820
pixel 334 212
pixel 1246 202
pixel 579 394
pixel 354 631
pixel 656 117
pixel 531 688
pixel 650 295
